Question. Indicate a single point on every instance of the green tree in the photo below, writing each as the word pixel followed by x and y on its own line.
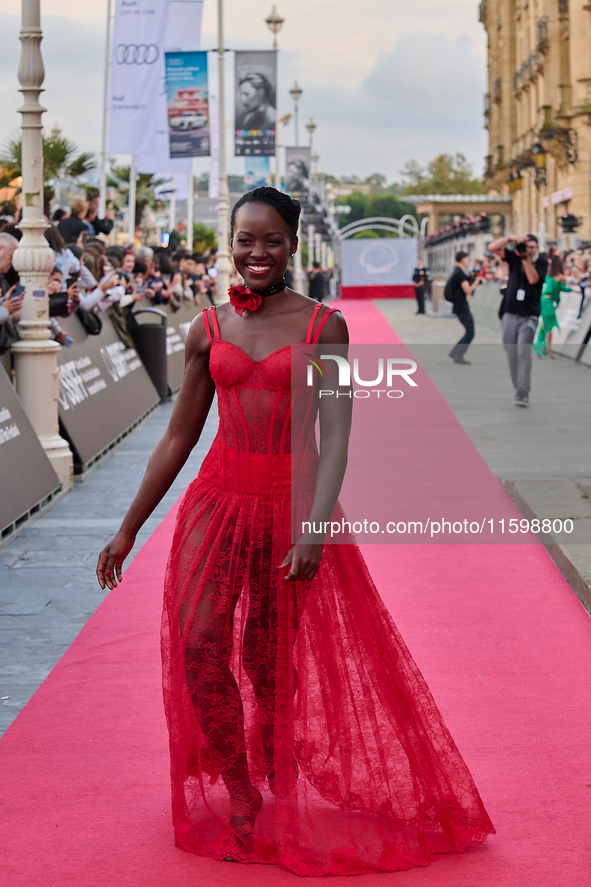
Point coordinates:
pixel 376 181
pixel 364 206
pixel 446 174
pixel 145 194
pixel 203 238
pixel 63 163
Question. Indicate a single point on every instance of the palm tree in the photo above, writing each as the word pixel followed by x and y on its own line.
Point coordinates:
pixel 145 194
pixel 62 163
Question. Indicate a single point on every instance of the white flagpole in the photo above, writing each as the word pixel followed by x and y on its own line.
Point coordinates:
pixel 172 220
pixel 190 199
pixel 131 199
pixel 277 152
pixel 103 180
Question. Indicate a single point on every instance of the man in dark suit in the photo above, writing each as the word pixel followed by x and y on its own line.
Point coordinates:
pixel 317 281
pixel 420 279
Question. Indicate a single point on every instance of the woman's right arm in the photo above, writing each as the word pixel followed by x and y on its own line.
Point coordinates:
pixel 170 454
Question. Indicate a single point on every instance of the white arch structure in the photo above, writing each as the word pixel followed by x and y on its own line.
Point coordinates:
pixel 407 226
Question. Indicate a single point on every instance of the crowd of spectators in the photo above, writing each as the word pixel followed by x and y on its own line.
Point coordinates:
pixel 576 264
pixel 90 277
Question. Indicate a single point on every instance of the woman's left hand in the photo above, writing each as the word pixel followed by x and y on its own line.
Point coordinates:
pixel 303 560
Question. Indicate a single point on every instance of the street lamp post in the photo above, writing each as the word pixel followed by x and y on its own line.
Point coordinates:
pixel 35 354
pixel 103 179
pixel 223 265
pixel 311 126
pixel 311 242
pixel 275 23
pixel 314 158
pixel 296 94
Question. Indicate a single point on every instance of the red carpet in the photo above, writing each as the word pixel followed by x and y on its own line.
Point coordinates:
pixel 500 637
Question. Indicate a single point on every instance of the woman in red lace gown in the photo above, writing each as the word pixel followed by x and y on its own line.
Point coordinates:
pixel 301 730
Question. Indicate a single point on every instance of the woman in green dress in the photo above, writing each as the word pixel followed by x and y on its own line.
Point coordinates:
pixel 553 286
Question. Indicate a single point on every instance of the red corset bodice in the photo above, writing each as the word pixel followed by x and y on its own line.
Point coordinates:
pixel 267 414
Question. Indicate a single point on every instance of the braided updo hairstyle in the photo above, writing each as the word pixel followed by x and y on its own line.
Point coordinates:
pixel 288 208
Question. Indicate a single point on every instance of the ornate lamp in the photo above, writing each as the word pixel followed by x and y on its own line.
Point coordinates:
pixel 539 158
pixel 275 23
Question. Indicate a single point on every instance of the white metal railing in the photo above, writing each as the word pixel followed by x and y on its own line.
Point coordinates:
pixel 407 226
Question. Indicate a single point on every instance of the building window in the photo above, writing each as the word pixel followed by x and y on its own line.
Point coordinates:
pixel 562 7
pixel 497 89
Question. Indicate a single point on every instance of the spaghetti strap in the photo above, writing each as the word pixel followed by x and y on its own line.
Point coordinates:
pixel 216 327
pixel 323 320
pixel 207 326
pixel 210 320
pixel 311 324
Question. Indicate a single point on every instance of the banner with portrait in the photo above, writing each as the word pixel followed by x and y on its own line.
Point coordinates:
pixel 255 103
pixel 297 171
pixel 257 172
pixel 188 104
pixel 136 71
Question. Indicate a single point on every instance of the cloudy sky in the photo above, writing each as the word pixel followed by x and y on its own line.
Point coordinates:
pixel 385 80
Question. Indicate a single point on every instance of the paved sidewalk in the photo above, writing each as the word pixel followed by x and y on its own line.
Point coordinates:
pixel 542 454
pixel 48 580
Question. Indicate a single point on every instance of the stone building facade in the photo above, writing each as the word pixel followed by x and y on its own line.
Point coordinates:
pixel 538 113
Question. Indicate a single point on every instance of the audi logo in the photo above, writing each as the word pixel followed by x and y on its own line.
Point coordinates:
pixel 137 54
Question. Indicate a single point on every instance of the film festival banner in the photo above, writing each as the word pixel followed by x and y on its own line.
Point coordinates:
pixel 103 388
pixel 297 171
pixel 255 103
pixel 188 104
pixel 136 71
pixel 379 268
pixel 257 173
pixel 27 475
pixel 183 34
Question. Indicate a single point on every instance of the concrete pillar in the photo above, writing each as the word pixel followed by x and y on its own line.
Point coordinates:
pixel 37 375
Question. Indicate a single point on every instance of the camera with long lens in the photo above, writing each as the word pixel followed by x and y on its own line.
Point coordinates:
pixel 521 249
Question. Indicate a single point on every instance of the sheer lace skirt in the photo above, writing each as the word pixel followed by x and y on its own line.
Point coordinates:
pixel 305 690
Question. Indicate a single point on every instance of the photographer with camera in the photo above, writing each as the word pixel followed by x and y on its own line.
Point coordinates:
pixel 520 308
pixel 459 286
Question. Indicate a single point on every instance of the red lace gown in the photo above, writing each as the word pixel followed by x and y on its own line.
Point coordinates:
pixel 303 687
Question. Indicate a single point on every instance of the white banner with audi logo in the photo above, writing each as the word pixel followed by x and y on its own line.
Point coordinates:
pixel 139 27
pixel 183 34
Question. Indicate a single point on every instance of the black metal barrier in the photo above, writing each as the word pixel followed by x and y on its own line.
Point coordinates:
pixel 104 389
pixel 27 478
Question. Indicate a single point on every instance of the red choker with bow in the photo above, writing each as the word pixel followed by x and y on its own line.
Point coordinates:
pixel 243 298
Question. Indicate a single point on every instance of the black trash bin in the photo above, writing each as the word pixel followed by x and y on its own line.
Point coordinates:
pixel 147 328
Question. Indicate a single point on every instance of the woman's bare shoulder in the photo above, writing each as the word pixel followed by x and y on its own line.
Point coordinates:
pixel 335 330
pixel 197 338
